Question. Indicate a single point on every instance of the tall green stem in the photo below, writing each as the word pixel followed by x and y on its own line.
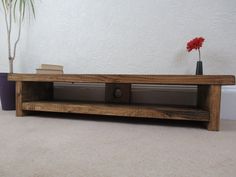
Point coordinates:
pixel 199 52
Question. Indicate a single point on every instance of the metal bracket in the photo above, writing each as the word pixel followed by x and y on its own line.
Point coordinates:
pixel 117 93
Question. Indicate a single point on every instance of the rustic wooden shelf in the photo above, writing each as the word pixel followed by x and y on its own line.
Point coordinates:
pixel 126 78
pixel 34 92
pixel 145 111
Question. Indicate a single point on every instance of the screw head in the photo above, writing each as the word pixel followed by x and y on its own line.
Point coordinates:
pixel 117 93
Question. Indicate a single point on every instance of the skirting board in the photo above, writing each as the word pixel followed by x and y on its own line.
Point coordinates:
pixel 176 95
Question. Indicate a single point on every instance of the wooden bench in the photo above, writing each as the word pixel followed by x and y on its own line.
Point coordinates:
pixel 34 92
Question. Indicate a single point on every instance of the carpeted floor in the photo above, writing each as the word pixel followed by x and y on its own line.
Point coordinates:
pixel 69 146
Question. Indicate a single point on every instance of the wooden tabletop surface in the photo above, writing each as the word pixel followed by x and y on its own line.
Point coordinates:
pixel 128 78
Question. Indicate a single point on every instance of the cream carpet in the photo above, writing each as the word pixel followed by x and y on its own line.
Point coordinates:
pixel 58 146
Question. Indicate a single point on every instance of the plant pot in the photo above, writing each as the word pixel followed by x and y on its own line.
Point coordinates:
pixel 199 68
pixel 7 92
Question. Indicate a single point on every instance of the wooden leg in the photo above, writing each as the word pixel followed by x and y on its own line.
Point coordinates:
pixel 19 111
pixel 209 98
pixel 214 123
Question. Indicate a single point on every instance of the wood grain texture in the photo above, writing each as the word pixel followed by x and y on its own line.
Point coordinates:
pixel 145 111
pixel 19 111
pixel 209 98
pixel 134 79
pixel 34 92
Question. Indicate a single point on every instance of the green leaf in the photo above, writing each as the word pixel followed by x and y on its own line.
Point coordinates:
pixel 5 4
pixel 14 10
pixel 32 7
pixel 23 10
pixel 21 5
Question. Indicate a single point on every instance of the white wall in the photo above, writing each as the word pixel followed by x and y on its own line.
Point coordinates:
pixel 128 36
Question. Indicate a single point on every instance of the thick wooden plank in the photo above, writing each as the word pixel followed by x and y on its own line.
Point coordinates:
pixel 32 90
pixel 215 99
pixel 146 111
pixel 19 111
pixel 134 79
pixel 209 98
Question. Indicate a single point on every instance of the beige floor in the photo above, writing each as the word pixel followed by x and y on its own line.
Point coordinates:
pixel 99 147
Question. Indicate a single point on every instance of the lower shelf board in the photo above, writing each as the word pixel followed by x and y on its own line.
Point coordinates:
pixel 144 111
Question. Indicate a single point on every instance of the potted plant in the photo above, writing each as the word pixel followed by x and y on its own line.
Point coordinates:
pixel 14 12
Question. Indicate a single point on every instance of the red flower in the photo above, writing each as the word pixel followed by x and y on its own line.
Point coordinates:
pixel 196 43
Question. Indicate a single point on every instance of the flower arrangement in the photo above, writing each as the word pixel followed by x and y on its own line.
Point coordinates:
pixel 196 44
